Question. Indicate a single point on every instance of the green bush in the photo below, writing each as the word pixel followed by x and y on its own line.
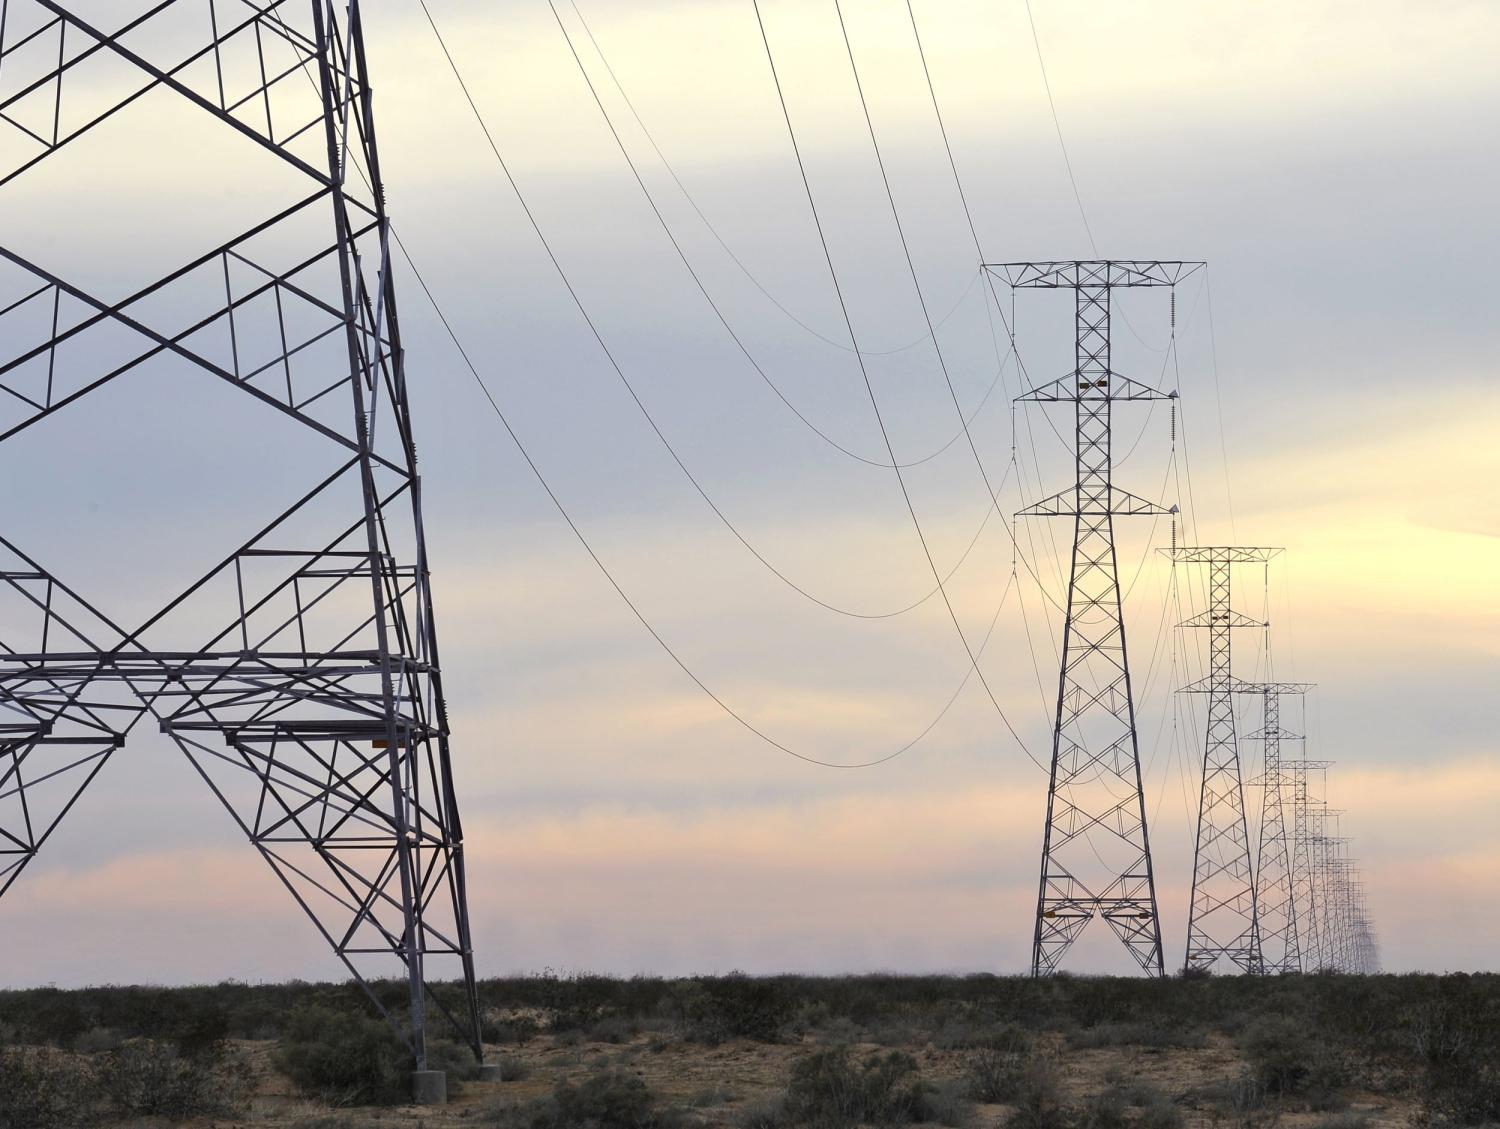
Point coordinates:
pixel 1159 1113
pixel 1111 1108
pixel 1287 1059
pixel 608 1099
pixel 1458 1040
pixel 97 1040
pixel 344 1057
pixel 612 1099
pixel 765 1113
pixel 1038 1098
pixel 612 1029
pixel 45 1090
pixel 1105 1110
pixel 998 1076
pixel 736 1007
pixel 148 1078
pixel 512 1069
pixel 1157 1036
pixel 828 1089
pixel 456 1060
pixel 517 1029
pixel 945 1103
pixel 1346 1121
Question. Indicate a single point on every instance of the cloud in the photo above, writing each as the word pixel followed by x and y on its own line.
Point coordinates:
pixel 619 819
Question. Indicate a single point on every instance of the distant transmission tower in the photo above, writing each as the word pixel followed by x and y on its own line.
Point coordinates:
pixel 1222 922
pixel 1304 876
pixel 299 675
pixel 1367 947
pixel 1345 868
pixel 1275 887
pixel 1340 912
pixel 1324 848
pixel 1096 855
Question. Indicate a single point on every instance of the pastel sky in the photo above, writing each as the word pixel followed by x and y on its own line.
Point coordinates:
pixel 1335 163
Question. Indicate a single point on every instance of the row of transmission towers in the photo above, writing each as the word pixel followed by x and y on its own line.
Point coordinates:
pixel 1289 899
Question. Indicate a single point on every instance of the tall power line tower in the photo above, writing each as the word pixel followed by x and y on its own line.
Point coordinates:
pixel 1324 849
pixel 1366 945
pixel 1222 921
pixel 1275 888
pixel 1332 852
pixel 1096 854
pixel 1304 876
pixel 299 675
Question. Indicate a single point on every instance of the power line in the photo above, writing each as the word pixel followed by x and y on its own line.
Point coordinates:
pixel 1068 163
pixel 1024 377
pixel 692 271
pixel 630 387
pixel 906 247
pixel 1057 125
pixel 869 387
pixel 578 533
pixel 714 231
pixel 615 584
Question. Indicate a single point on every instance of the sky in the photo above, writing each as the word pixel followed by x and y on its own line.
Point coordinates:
pixel 1333 163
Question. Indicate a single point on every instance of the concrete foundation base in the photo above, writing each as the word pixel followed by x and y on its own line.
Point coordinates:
pixel 488 1072
pixel 429 1087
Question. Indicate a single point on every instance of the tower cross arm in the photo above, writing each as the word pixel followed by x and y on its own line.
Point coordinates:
pixel 1082 502
pixel 1093 272
pixel 1220 554
pixel 1093 386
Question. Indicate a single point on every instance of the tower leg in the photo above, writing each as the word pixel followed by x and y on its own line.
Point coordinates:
pixel 300 675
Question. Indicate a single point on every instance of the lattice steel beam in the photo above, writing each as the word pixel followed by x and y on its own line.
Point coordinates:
pixel 1096 852
pixel 314 711
pixel 1222 922
pixel 1305 894
pixel 1275 888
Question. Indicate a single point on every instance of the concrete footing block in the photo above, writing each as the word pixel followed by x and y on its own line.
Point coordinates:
pixel 429 1087
pixel 488 1072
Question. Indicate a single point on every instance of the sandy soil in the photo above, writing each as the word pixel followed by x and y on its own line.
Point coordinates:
pixel 719 1082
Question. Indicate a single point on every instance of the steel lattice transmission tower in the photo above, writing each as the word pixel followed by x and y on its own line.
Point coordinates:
pixel 1323 850
pixel 299 675
pixel 1341 873
pixel 1366 945
pixel 1222 920
pixel 1332 860
pixel 1275 886
pixel 1096 854
pixel 1305 897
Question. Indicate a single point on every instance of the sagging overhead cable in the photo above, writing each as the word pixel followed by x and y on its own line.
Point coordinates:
pixel 661 641
pixel 640 403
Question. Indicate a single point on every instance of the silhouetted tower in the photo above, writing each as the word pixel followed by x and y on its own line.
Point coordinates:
pixel 1366 945
pixel 1304 878
pixel 1341 911
pixel 299 676
pixel 1096 854
pixel 1275 895
pixel 1323 847
pixel 1222 921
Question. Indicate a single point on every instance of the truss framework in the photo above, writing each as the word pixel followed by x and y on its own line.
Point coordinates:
pixel 314 712
pixel 1096 853
pixel 1275 888
pixel 1305 893
pixel 1222 919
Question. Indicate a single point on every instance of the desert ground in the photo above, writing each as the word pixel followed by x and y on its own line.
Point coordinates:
pixel 829 1053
